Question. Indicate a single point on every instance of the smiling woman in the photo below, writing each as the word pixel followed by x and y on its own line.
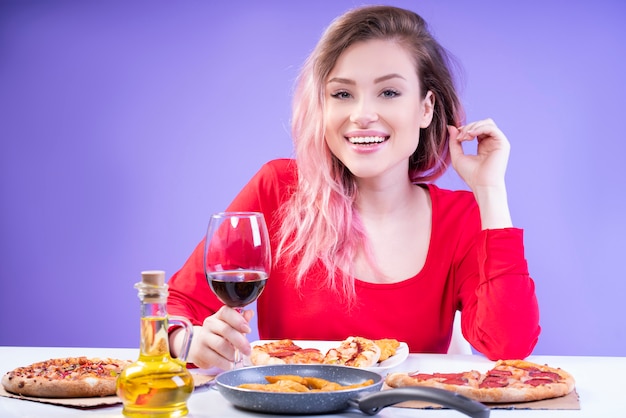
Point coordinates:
pixel 360 236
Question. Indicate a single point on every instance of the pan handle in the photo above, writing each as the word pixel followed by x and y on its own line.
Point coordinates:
pixel 372 403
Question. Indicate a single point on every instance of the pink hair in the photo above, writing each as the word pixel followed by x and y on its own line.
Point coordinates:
pixel 320 221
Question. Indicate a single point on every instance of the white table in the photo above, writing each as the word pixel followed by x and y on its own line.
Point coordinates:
pixel 599 382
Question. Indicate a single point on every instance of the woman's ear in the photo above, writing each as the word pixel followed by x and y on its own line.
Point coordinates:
pixel 428 109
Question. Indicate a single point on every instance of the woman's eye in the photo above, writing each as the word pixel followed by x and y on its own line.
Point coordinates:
pixel 340 95
pixel 390 93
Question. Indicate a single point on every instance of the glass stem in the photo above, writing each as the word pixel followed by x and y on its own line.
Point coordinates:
pixel 238 361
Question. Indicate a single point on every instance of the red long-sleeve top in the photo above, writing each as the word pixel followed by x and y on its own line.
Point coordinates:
pixel 482 273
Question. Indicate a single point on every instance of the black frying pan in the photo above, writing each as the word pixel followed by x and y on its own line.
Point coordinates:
pixel 369 399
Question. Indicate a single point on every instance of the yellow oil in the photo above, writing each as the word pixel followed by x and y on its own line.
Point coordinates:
pixel 156 385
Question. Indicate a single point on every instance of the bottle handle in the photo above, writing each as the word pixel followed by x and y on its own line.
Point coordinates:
pixel 188 329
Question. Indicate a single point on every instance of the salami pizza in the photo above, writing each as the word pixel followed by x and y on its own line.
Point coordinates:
pixel 70 377
pixel 353 351
pixel 508 381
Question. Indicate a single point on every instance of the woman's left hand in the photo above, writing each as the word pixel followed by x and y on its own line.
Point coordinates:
pixel 487 168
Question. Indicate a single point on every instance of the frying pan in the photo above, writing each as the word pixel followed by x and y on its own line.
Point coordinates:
pixel 369 399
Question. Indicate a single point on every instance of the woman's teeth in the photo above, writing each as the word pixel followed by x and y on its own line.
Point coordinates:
pixel 366 139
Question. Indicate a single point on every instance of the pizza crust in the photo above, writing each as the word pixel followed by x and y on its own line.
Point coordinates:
pixel 44 388
pixel 512 395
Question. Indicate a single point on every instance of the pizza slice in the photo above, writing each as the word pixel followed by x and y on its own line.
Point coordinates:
pixel 388 348
pixel 455 382
pixel 355 352
pixel 284 352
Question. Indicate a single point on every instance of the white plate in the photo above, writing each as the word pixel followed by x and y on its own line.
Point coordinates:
pixel 402 352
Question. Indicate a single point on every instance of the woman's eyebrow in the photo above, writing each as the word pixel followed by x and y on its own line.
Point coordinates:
pixel 340 80
pixel 376 80
pixel 387 77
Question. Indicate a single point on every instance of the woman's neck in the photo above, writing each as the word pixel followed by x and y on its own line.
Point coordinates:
pixel 380 199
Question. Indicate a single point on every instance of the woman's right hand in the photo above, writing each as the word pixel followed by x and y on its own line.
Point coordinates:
pixel 213 344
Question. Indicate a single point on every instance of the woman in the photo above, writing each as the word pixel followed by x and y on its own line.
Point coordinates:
pixel 364 244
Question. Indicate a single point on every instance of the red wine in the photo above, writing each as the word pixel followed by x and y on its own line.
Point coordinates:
pixel 237 288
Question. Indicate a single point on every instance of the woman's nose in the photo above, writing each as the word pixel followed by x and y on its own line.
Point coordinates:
pixel 363 114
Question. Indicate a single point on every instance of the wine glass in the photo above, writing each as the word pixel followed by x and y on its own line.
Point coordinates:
pixel 237 259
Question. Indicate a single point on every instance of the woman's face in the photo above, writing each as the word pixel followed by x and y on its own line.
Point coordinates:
pixel 374 109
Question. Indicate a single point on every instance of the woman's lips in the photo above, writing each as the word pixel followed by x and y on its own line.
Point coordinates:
pixel 367 144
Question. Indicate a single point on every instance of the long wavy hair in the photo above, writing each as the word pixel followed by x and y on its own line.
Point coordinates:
pixel 320 223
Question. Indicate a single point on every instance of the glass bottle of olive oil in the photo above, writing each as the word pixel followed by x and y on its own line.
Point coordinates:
pixel 156 385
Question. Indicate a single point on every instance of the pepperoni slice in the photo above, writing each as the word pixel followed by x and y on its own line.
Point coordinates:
pixel 494 382
pixel 499 373
pixel 459 382
pixel 537 382
pixel 447 378
pixel 545 375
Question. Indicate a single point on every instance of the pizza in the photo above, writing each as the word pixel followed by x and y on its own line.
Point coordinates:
pixel 353 351
pixel 70 377
pixel 284 352
pixel 508 381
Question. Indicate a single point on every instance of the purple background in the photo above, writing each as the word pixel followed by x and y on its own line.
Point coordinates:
pixel 124 124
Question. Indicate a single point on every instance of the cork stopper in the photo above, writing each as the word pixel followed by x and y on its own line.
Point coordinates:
pixel 152 287
pixel 153 277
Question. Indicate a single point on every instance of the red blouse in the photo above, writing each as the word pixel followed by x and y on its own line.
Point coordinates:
pixel 482 273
